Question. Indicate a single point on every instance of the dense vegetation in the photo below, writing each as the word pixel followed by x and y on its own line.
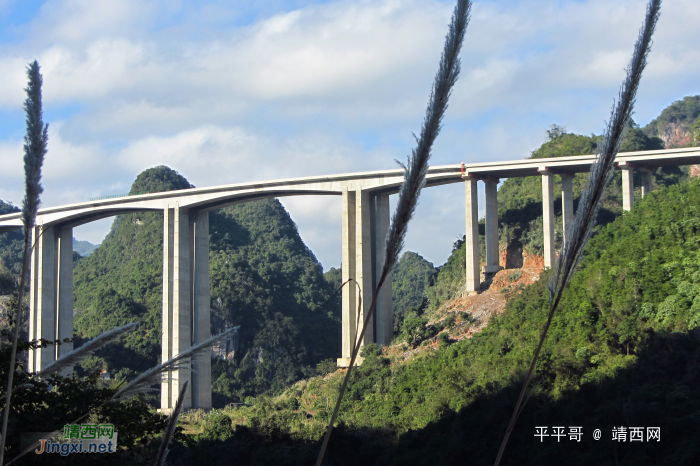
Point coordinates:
pixel 263 278
pixel 84 248
pixel 409 279
pixel 682 116
pixel 520 199
pixel 49 404
pixel 624 350
pixel 11 247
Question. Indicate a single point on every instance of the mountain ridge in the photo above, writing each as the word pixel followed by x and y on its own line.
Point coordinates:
pixel 262 278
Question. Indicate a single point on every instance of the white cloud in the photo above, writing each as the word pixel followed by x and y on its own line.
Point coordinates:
pixel 327 88
pixel 13 82
pixel 199 154
pixel 78 21
pixel 105 66
pixel 319 220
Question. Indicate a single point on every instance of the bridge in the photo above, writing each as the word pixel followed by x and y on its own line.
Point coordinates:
pixel 365 223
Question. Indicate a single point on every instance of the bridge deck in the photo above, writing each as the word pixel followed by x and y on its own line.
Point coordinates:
pixel 386 181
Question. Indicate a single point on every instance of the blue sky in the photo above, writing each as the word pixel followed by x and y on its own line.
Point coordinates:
pixel 227 91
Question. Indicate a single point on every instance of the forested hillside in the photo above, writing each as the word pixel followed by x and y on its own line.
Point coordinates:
pixel 410 278
pixel 520 204
pixel 263 278
pixel 678 125
pixel 623 350
pixel 11 246
pixel 520 199
pixel 84 248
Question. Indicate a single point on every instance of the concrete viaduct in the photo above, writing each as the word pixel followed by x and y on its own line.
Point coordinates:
pixel 365 222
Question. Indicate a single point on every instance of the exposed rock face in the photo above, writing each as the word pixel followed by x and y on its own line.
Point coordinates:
pixel 678 126
pixel 533 261
pixel 676 135
pixel 492 301
pixel 516 258
pixel 512 257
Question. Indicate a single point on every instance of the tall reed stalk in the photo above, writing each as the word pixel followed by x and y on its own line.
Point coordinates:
pixel 35 143
pixel 143 382
pixel 415 172
pixel 601 174
pixel 170 428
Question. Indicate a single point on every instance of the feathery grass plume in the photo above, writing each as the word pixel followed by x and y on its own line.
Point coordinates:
pixel 143 382
pixel 35 143
pixel 34 147
pixel 77 355
pixel 601 174
pixel 415 172
pixel 170 428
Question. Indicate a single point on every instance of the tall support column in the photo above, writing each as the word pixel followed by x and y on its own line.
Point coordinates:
pixel 349 291
pixel 63 253
pixel 166 390
pixel 627 187
pixel 182 303
pixel 201 321
pixel 548 217
pixel 491 190
pixel 363 262
pixel 567 204
pixel 384 312
pixel 473 285
pixel 42 297
pixel 646 182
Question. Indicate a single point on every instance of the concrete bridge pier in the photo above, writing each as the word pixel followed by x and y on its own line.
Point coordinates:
pixel 491 221
pixel 366 218
pixel 646 180
pixel 548 216
pixel 186 313
pixel 384 317
pixel 627 186
pixel 51 294
pixel 627 169
pixel 471 203
pixel 567 204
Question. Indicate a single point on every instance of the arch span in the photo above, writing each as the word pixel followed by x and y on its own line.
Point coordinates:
pixel 365 220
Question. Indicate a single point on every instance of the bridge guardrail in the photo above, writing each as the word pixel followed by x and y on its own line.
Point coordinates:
pixel 117 195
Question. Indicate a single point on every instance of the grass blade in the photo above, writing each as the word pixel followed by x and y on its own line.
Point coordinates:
pixel 35 143
pixel 601 174
pixel 415 172
pixel 170 428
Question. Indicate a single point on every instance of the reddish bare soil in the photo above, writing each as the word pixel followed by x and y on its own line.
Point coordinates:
pixel 479 308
